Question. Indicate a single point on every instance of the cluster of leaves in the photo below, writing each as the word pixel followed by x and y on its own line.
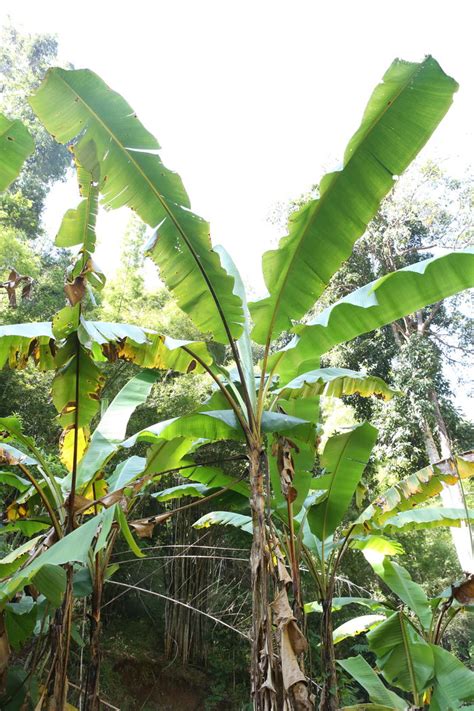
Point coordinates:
pixel 271 412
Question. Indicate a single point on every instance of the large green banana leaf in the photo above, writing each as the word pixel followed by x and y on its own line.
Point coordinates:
pixel 16 145
pixel 78 106
pixel 219 425
pixel 426 518
pixel 344 457
pixel 335 382
pixel 415 489
pixel 401 115
pixel 374 305
pixel 369 680
pixel 74 547
pixel 454 682
pixel 355 626
pixel 404 658
pixel 400 582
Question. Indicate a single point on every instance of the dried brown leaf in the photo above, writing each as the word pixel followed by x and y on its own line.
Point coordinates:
pixel 464 593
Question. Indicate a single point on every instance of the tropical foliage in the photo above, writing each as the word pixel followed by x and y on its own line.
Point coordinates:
pixel 293 492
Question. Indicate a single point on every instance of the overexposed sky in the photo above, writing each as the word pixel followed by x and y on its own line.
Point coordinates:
pixel 253 101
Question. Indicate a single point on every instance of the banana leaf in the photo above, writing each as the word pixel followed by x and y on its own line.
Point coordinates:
pixel 374 305
pixel 403 656
pixel 454 682
pixel 16 144
pixel 369 680
pixel 335 382
pixel 399 581
pixel 77 106
pixel 401 115
pixel 356 626
pixel 225 518
pixel 345 457
pixel 426 518
pixel 414 489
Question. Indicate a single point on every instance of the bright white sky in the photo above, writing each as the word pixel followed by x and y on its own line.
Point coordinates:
pixel 253 101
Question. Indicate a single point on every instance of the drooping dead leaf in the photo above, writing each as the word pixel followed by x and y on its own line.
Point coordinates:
pixel 144 527
pixel 11 285
pixel 282 450
pixel 464 593
pixel 75 290
pixel 292 644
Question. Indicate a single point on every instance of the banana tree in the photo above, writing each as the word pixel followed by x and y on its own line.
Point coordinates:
pixel 323 551
pixel 74 348
pixel 113 147
pixel 104 502
pixel 322 534
pixel 406 643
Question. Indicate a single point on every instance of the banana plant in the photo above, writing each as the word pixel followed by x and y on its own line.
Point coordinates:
pixel 322 535
pixel 74 348
pixel 111 144
pixel 105 499
pixel 406 643
pixel 344 456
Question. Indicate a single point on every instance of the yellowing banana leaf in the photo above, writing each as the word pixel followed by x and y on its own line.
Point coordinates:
pixel 426 518
pixel 77 106
pixel 335 382
pixel 20 342
pixel 76 394
pixel 225 518
pixel 16 145
pixel 401 115
pixel 142 346
pixel 374 305
pixel 415 489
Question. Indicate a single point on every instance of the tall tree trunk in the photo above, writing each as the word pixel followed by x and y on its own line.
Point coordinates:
pixel 264 668
pixel 451 496
pixel 329 695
